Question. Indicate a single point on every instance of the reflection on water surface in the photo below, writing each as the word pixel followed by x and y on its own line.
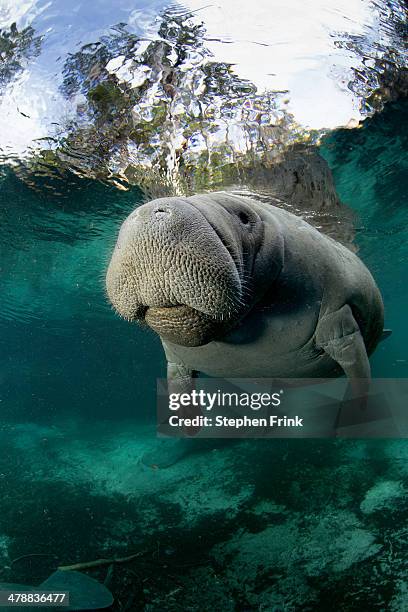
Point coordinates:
pixel 186 95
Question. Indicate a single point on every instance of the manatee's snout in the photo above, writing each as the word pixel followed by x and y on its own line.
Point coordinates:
pixel 172 269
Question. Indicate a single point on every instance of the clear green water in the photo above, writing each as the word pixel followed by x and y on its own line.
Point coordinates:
pixel 370 170
pixel 257 525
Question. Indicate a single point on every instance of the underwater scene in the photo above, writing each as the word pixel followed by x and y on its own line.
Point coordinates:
pixel 105 106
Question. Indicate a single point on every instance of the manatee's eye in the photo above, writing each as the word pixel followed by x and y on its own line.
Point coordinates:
pixel 243 217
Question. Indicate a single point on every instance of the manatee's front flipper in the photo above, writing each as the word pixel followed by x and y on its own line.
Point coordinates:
pixel 339 335
pixel 167 452
pixel 180 379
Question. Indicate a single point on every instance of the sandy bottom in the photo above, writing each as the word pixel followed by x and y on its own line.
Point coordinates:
pixel 252 525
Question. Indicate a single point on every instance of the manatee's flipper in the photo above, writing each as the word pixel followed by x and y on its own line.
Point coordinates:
pixel 386 334
pixel 179 378
pixel 339 335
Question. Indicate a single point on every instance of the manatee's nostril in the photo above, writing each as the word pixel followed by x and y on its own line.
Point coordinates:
pixel 162 212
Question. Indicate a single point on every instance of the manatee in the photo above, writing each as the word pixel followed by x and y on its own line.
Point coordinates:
pixel 299 180
pixel 237 287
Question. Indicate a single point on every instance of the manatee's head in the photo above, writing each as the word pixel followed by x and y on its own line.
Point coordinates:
pixel 183 265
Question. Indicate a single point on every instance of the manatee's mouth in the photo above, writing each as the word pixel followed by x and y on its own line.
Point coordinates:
pixel 182 324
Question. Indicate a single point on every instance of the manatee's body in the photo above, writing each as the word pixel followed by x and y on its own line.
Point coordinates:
pixel 240 288
pixel 277 338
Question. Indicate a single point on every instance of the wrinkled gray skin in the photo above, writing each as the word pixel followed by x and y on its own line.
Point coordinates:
pixel 240 288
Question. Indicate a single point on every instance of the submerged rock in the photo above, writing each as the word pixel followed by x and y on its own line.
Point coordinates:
pixel 385 495
pixel 285 557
